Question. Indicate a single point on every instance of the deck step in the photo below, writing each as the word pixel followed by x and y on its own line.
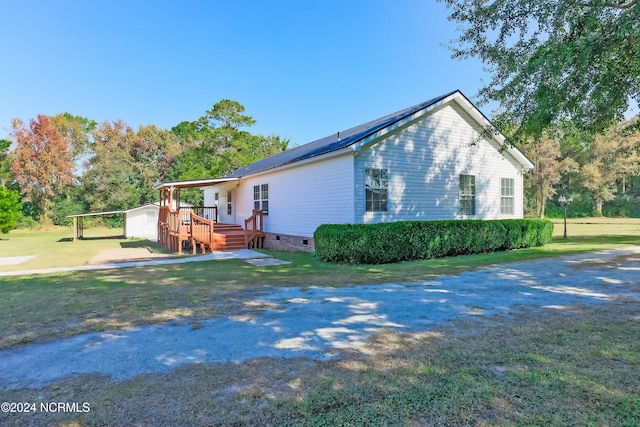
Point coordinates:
pixel 227 237
pixel 225 227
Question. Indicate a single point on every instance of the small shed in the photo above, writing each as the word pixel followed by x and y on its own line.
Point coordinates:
pixel 142 222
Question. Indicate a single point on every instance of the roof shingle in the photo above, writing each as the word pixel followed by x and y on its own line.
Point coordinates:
pixel 333 142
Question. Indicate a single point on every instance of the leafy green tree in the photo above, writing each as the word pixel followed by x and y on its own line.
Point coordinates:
pixel 614 155
pixel 152 154
pixel 215 145
pixel 109 181
pixel 227 114
pixel 5 162
pixel 549 165
pixel 554 59
pixel 126 165
pixel 10 209
pixel 76 130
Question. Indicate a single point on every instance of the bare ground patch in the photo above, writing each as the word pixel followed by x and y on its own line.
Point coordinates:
pixel 115 255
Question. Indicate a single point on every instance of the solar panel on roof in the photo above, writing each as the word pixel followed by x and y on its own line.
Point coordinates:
pixel 333 142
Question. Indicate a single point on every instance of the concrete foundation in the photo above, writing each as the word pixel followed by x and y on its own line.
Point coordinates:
pixel 288 243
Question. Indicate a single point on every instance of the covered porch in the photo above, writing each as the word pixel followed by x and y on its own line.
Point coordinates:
pixel 197 227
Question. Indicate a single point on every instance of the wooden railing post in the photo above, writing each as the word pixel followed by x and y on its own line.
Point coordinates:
pixel 186 224
pixel 254 228
pixel 211 233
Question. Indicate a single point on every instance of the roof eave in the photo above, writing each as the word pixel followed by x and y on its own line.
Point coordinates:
pixel 198 183
pixel 479 117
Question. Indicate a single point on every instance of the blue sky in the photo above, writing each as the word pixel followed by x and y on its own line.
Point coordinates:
pixel 303 69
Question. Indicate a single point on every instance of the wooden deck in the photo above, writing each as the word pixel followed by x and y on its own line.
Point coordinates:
pixel 185 229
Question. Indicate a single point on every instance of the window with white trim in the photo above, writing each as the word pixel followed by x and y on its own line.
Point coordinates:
pixel 228 202
pixel 467 194
pixel 376 189
pixel 507 196
pixel 261 198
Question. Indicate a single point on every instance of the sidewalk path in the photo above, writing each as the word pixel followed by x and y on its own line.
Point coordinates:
pixel 239 254
pixel 316 322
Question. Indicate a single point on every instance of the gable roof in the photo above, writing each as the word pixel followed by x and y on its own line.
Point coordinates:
pixel 336 141
pixel 359 134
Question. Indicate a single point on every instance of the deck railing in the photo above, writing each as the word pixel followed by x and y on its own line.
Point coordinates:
pixel 196 225
pixel 201 231
pixel 206 212
pixel 254 230
pixel 176 226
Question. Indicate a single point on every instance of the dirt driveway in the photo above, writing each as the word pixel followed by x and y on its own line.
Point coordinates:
pixel 321 322
pixel 107 256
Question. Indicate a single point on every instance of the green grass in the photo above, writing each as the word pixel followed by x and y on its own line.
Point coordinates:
pixel 55 247
pixel 577 366
pixel 34 308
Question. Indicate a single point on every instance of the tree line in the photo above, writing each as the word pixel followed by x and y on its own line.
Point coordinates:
pixel 65 164
pixel 565 74
pixel 600 173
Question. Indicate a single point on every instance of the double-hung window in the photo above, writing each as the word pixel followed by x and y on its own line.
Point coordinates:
pixel 507 196
pixel 261 198
pixel 467 194
pixel 376 188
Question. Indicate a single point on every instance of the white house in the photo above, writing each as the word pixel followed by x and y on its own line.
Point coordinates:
pixel 434 160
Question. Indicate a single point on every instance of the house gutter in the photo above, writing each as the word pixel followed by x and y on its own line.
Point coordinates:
pixel 198 183
pixel 317 158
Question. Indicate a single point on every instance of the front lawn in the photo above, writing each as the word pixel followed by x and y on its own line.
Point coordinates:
pixel 55 246
pixel 575 366
pixel 33 308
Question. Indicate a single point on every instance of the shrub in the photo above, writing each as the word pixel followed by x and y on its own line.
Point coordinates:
pixel 389 242
pixel 10 209
pixel 27 222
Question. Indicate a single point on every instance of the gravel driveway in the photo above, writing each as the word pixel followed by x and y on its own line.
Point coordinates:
pixel 319 322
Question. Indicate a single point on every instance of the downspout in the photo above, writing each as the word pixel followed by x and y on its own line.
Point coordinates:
pixel 355 149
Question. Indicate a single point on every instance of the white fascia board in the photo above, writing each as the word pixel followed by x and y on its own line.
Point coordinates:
pixel 313 159
pixel 356 147
pixel 95 214
pixel 498 137
pixel 198 183
pixel 516 154
pixel 141 207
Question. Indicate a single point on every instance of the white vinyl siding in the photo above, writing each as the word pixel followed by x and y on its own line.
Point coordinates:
pixel 301 197
pixel 219 196
pixel 425 159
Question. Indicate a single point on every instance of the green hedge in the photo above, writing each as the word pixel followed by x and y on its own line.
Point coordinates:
pixel 410 240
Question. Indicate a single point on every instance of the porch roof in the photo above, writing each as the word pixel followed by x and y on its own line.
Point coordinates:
pixel 197 183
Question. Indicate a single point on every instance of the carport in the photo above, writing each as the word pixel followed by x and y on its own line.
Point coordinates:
pixel 78 222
